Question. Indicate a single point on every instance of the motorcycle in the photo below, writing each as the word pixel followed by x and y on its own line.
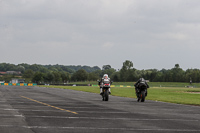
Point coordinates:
pixel 105 89
pixel 141 91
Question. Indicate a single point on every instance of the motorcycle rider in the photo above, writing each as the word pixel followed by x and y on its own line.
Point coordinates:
pixel 141 80
pixel 105 77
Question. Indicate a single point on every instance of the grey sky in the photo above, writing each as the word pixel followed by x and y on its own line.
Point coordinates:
pixel 150 33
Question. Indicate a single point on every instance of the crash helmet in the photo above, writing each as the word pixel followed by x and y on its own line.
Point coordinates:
pixel 105 76
pixel 142 79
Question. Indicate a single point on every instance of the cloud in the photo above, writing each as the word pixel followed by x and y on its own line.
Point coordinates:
pixel 108 45
pixel 157 29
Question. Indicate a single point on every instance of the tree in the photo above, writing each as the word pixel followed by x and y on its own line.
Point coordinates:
pixel 127 65
pixel 126 70
pixel 115 77
pixel 168 76
pixel 44 70
pixel 93 76
pixel 109 71
pixel 49 77
pixel 57 76
pixel 20 68
pixel 28 73
pixel 80 75
pixel 38 77
pixel 99 73
pixel 153 75
pixel 26 66
pixel 176 66
pixel 193 74
pixel 106 67
pixel 35 67
pixel 65 76
pixel 178 74
pixel 86 68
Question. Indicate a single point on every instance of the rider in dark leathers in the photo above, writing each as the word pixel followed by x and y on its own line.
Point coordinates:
pixel 137 85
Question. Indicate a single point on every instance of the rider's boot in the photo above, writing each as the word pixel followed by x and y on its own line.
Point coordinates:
pixel 109 91
pixel 101 92
pixel 138 99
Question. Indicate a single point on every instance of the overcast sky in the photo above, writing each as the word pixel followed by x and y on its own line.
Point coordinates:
pixel 150 33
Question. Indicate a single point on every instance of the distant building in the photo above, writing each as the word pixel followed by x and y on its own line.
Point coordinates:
pixel 11 72
pixel 3 73
pixel 17 80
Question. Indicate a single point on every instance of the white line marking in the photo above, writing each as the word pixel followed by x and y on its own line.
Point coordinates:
pixel 10 109
pixel 97 118
pixel 96 128
pixel 76 111
pixel 25 109
pixel 19 115
pixel 12 115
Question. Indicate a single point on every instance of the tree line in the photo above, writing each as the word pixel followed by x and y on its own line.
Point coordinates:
pixel 63 74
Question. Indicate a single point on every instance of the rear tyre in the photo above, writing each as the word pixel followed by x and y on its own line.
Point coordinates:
pixel 106 95
pixel 142 96
pixel 138 97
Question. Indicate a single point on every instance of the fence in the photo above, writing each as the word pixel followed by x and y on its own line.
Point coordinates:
pixel 116 86
pixel 19 84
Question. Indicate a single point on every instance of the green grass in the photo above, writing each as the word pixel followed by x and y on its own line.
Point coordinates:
pixel 179 95
pixel 151 84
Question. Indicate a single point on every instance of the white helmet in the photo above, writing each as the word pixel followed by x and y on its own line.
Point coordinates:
pixel 105 75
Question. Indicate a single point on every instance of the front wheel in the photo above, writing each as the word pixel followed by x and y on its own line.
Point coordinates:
pixel 142 96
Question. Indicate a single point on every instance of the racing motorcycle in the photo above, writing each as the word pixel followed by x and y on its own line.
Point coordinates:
pixel 105 89
pixel 141 91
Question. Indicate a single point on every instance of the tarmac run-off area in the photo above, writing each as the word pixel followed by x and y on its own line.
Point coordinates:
pixel 26 109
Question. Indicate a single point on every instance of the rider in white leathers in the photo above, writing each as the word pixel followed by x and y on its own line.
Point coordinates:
pixel 105 77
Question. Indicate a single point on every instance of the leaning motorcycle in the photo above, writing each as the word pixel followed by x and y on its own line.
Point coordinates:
pixel 141 91
pixel 105 88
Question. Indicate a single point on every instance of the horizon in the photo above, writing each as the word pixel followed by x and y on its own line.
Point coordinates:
pixel 102 66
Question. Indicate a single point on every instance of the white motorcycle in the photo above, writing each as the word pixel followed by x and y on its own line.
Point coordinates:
pixel 105 89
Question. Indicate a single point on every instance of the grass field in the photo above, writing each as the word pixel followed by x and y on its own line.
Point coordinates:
pixel 179 95
pixel 151 84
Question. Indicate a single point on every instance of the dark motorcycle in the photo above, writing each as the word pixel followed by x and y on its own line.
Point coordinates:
pixel 141 91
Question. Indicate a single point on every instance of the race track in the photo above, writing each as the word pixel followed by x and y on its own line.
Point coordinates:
pixel 50 110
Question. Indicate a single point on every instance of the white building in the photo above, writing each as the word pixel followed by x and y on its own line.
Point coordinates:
pixel 17 80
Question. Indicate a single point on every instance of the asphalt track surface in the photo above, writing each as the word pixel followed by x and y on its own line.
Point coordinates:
pixel 52 110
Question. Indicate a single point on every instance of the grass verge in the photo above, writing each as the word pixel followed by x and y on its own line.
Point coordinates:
pixel 179 95
pixel 151 84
